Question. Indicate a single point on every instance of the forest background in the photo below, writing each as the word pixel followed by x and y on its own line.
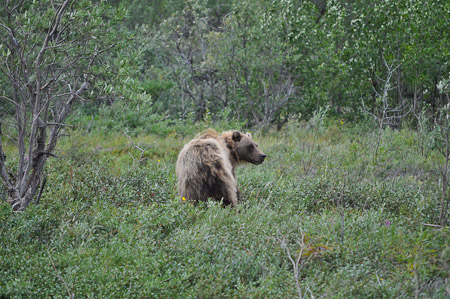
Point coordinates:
pixel 264 62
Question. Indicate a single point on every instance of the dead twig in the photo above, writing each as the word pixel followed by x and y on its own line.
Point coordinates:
pixel 298 263
pixel 432 225
pixel 142 150
pixel 340 210
pixel 385 115
pixel 69 292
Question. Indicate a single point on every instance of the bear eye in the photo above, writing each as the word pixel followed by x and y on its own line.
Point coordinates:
pixel 250 147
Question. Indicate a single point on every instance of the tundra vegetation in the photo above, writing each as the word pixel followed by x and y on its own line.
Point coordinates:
pixel 348 100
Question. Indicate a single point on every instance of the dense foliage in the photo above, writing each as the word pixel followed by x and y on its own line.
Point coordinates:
pixel 269 60
pixel 266 61
pixel 349 100
pixel 111 226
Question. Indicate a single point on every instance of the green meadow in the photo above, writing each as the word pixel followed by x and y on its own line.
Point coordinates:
pixel 111 225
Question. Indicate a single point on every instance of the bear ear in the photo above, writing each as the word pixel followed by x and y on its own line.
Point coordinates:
pixel 248 135
pixel 236 136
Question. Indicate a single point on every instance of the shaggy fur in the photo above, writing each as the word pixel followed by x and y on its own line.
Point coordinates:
pixel 205 166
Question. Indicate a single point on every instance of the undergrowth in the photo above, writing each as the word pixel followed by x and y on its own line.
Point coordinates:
pixel 110 223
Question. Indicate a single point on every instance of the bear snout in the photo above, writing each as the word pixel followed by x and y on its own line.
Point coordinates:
pixel 262 157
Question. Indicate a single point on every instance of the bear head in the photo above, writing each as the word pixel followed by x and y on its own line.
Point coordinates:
pixel 246 149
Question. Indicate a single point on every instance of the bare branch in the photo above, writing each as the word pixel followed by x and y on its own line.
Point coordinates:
pixel 10 32
pixel 47 74
pixel 26 179
pixel 432 225
pixel 3 172
pixel 41 190
pixel 11 101
pixel 340 210
pixel 298 263
pixel 142 150
pixel 60 124
pixel 385 115
pixel 71 294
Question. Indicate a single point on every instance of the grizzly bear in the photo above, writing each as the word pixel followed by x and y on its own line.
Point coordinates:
pixel 205 166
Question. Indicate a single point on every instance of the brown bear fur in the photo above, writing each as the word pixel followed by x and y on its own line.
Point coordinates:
pixel 205 166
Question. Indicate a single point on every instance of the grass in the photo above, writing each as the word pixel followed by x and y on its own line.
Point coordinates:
pixel 109 226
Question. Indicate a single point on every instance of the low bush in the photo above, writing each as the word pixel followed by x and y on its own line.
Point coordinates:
pixel 110 223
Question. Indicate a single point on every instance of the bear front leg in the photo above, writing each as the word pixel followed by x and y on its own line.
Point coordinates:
pixel 229 191
pixel 193 191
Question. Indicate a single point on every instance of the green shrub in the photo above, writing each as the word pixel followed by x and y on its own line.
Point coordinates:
pixel 110 226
